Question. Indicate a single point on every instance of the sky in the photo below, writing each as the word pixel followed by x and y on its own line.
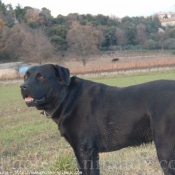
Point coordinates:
pixel 118 8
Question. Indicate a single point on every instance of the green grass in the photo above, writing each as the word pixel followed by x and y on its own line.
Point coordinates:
pixel 30 141
pixel 127 80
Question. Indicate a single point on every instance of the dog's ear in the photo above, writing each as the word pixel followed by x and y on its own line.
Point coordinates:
pixel 62 74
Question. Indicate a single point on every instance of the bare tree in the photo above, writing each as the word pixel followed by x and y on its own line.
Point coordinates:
pixel 162 37
pixel 101 37
pixel 32 15
pixel 14 38
pixel 25 43
pixel 36 46
pixel 121 37
pixel 82 41
pixel 141 34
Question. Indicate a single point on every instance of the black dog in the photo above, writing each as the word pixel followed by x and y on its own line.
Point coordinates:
pixel 95 118
pixel 114 60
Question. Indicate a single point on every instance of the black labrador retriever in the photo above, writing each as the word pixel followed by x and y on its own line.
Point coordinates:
pixel 114 60
pixel 96 118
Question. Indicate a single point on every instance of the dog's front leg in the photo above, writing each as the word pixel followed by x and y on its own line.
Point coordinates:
pixel 88 161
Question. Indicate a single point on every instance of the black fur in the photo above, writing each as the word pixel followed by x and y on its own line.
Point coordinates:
pixel 96 118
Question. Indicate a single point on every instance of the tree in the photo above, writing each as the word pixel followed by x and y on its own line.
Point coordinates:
pixel 110 35
pixel 150 44
pixel 3 8
pixel 162 36
pixel 130 30
pixel 60 30
pixel 4 34
pixel 32 15
pixel 121 37
pixel 102 20
pixel 25 43
pixel 101 37
pixel 171 32
pixel 36 46
pixel 60 19
pixel 127 19
pixel 82 41
pixel 152 24
pixel 141 34
pixel 70 18
pixel 89 18
pixel 45 17
pixel 58 35
pixel 20 13
pixel 58 42
pixel 170 43
pixel 46 12
pixel 7 14
pixel 14 39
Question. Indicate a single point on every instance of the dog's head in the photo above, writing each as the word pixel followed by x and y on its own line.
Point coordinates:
pixel 42 85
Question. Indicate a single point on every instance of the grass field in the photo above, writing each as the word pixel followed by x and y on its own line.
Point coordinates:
pixel 31 144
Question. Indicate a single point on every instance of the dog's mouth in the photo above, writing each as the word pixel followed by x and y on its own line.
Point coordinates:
pixel 34 102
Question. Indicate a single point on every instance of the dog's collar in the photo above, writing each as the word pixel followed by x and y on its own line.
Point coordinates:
pixel 49 113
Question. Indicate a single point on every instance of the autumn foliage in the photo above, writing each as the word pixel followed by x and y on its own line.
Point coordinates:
pixel 34 35
pixel 82 41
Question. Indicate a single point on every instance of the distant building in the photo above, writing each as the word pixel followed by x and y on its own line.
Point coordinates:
pixel 167 18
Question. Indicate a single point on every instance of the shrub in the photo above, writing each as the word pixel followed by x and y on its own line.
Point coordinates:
pixel 149 44
pixel 170 43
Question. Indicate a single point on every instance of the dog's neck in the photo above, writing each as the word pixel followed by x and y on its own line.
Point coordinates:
pixel 50 112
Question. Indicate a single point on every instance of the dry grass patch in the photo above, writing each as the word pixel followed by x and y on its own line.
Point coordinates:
pixel 105 65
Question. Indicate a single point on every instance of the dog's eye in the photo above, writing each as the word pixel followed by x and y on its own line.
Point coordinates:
pixel 40 77
pixel 25 77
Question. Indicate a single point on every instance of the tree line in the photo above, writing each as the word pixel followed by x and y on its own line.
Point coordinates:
pixel 31 34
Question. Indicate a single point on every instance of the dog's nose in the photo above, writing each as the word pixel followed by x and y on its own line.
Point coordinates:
pixel 24 86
